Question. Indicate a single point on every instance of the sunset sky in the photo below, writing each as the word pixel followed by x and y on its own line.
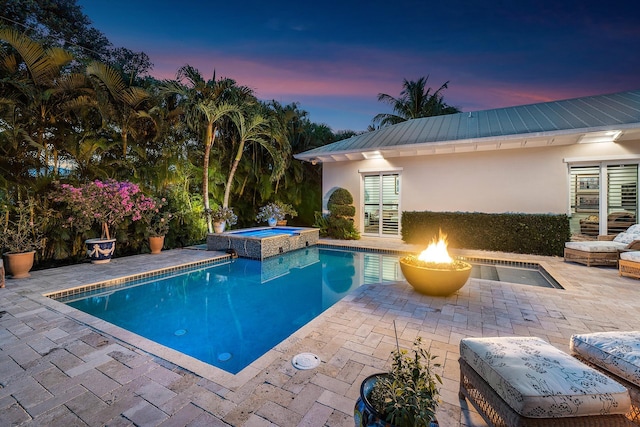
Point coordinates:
pixel 334 57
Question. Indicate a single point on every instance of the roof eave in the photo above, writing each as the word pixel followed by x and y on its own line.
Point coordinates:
pixel 539 139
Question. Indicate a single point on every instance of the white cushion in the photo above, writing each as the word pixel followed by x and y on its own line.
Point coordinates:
pixel 596 246
pixel 626 237
pixel 634 229
pixel 630 256
pixel 617 352
pixel 539 381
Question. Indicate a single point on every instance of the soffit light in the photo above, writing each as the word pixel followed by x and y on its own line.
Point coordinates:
pixel 604 136
pixel 369 155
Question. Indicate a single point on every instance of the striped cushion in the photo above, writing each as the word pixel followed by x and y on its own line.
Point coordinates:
pixel 539 381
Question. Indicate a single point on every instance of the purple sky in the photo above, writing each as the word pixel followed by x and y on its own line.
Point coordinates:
pixel 334 57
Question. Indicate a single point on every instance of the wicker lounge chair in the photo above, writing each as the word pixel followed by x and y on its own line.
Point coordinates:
pixel 525 381
pixel 629 264
pixel 603 251
pixel 617 222
pixel 616 355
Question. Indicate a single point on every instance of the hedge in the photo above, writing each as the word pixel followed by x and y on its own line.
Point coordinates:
pixel 539 234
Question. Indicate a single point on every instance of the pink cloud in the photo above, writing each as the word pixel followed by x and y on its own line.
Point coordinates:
pixel 290 78
pixel 360 74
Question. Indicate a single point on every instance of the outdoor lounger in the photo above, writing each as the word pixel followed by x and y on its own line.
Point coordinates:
pixel 525 381
pixel 603 252
pixel 616 354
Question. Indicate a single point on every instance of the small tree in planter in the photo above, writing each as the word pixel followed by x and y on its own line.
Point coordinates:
pixel 21 234
pixel 407 395
pixel 222 217
pixel 275 211
pixel 107 203
pixel 340 219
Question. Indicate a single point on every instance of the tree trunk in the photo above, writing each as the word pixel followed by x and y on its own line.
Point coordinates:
pixel 209 138
pixel 232 172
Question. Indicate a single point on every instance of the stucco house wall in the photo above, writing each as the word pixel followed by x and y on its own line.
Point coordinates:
pixel 524 180
pixel 525 159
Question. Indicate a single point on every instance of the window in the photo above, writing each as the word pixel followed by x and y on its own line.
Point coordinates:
pixel 381 204
pixel 620 192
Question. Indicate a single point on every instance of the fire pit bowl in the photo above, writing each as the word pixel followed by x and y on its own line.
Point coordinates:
pixel 435 279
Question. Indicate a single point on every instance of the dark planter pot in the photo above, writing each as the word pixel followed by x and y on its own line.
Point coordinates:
pixel 364 414
pixel 100 251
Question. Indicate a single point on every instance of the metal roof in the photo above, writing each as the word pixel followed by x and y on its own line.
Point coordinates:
pixel 548 123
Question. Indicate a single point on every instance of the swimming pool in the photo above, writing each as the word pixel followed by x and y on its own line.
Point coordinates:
pixel 231 313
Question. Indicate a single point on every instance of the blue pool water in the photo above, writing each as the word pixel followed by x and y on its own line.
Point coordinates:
pixel 267 232
pixel 230 314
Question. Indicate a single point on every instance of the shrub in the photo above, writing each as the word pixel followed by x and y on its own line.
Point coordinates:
pixel 340 196
pixel 339 222
pixel 539 234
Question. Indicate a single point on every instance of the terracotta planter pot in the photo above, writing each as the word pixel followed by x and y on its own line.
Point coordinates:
pixel 100 251
pixel 155 244
pixel 18 265
pixel 281 223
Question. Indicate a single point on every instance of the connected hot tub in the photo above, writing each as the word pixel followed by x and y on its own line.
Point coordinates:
pixel 263 242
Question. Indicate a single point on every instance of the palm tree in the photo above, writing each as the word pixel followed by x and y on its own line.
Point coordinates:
pixel 120 104
pixel 414 102
pixel 36 99
pixel 255 128
pixel 204 104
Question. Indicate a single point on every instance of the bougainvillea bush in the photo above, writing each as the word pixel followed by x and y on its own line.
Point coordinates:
pixel 106 203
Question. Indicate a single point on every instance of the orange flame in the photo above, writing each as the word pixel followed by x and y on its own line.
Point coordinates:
pixel 437 252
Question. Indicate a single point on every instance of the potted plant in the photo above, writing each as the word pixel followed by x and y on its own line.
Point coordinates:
pixel 405 396
pixel 107 203
pixel 20 235
pixel 274 212
pixel 222 217
pixel 157 225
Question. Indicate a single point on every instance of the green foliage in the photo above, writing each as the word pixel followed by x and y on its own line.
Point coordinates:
pixel 339 222
pixel 22 227
pixel 340 196
pixel 510 232
pixel 408 395
pixel 221 214
pixel 321 222
pixel 415 101
pixel 276 210
pixel 62 109
pixel 343 210
pixel 341 228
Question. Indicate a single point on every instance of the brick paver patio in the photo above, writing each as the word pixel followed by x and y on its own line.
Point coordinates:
pixel 61 367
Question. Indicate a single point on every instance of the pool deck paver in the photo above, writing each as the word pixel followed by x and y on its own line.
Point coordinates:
pixel 61 367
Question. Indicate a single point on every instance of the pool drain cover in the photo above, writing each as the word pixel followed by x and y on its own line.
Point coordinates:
pixel 305 361
pixel 224 357
pixel 180 332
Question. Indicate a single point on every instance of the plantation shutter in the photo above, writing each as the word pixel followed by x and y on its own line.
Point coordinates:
pixel 622 200
pixel 585 189
pixel 390 200
pixel 381 203
pixel 371 203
